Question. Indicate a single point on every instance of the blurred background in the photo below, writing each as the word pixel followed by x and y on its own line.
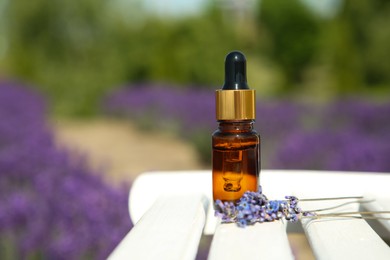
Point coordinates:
pixel 93 93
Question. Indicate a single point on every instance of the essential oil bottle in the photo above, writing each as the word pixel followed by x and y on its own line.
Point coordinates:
pixel 236 145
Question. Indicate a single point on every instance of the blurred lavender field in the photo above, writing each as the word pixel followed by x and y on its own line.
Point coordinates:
pixel 348 135
pixel 52 205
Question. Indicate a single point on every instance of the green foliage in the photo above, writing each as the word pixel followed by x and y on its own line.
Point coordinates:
pixel 64 47
pixel 76 51
pixel 369 20
pixel 181 52
pixel 350 48
pixel 355 45
pixel 294 32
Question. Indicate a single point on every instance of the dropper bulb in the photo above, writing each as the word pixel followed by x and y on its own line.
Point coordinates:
pixel 235 71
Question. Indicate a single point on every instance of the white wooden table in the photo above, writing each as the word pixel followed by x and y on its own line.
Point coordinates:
pixel 171 210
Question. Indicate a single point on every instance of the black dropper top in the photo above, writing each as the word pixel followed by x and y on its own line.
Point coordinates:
pixel 235 71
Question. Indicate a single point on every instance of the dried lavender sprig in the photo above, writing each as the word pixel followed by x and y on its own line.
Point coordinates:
pixel 363 215
pixel 353 212
pixel 360 201
pixel 332 198
pixel 255 207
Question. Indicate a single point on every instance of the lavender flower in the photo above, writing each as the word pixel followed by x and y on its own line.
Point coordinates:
pixel 52 205
pixel 255 207
pixel 184 108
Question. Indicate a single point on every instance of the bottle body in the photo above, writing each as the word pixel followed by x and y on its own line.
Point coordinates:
pixel 236 160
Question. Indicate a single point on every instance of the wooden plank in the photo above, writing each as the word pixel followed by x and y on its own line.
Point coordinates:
pixel 148 187
pixel 276 184
pixel 170 229
pixel 261 241
pixel 343 238
pixel 381 226
pixel 152 187
pixel 307 183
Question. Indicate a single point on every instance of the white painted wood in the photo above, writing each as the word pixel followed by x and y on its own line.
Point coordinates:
pixel 276 184
pixel 261 241
pixel 342 238
pixel 170 229
pixel 148 187
pixel 330 239
pixel 306 183
pixel 381 226
pixel 345 239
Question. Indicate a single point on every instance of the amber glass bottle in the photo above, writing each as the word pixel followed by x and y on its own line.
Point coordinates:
pixel 236 145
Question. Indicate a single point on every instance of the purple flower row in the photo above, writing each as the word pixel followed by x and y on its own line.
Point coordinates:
pixel 343 135
pixel 164 105
pixel 52 205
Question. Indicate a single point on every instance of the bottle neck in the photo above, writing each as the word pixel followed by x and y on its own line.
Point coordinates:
pixel 236 126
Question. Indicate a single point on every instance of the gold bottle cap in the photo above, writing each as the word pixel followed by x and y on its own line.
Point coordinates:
pixel 235 104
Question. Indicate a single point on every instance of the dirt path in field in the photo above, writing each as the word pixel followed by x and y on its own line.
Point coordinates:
pixel 121 151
